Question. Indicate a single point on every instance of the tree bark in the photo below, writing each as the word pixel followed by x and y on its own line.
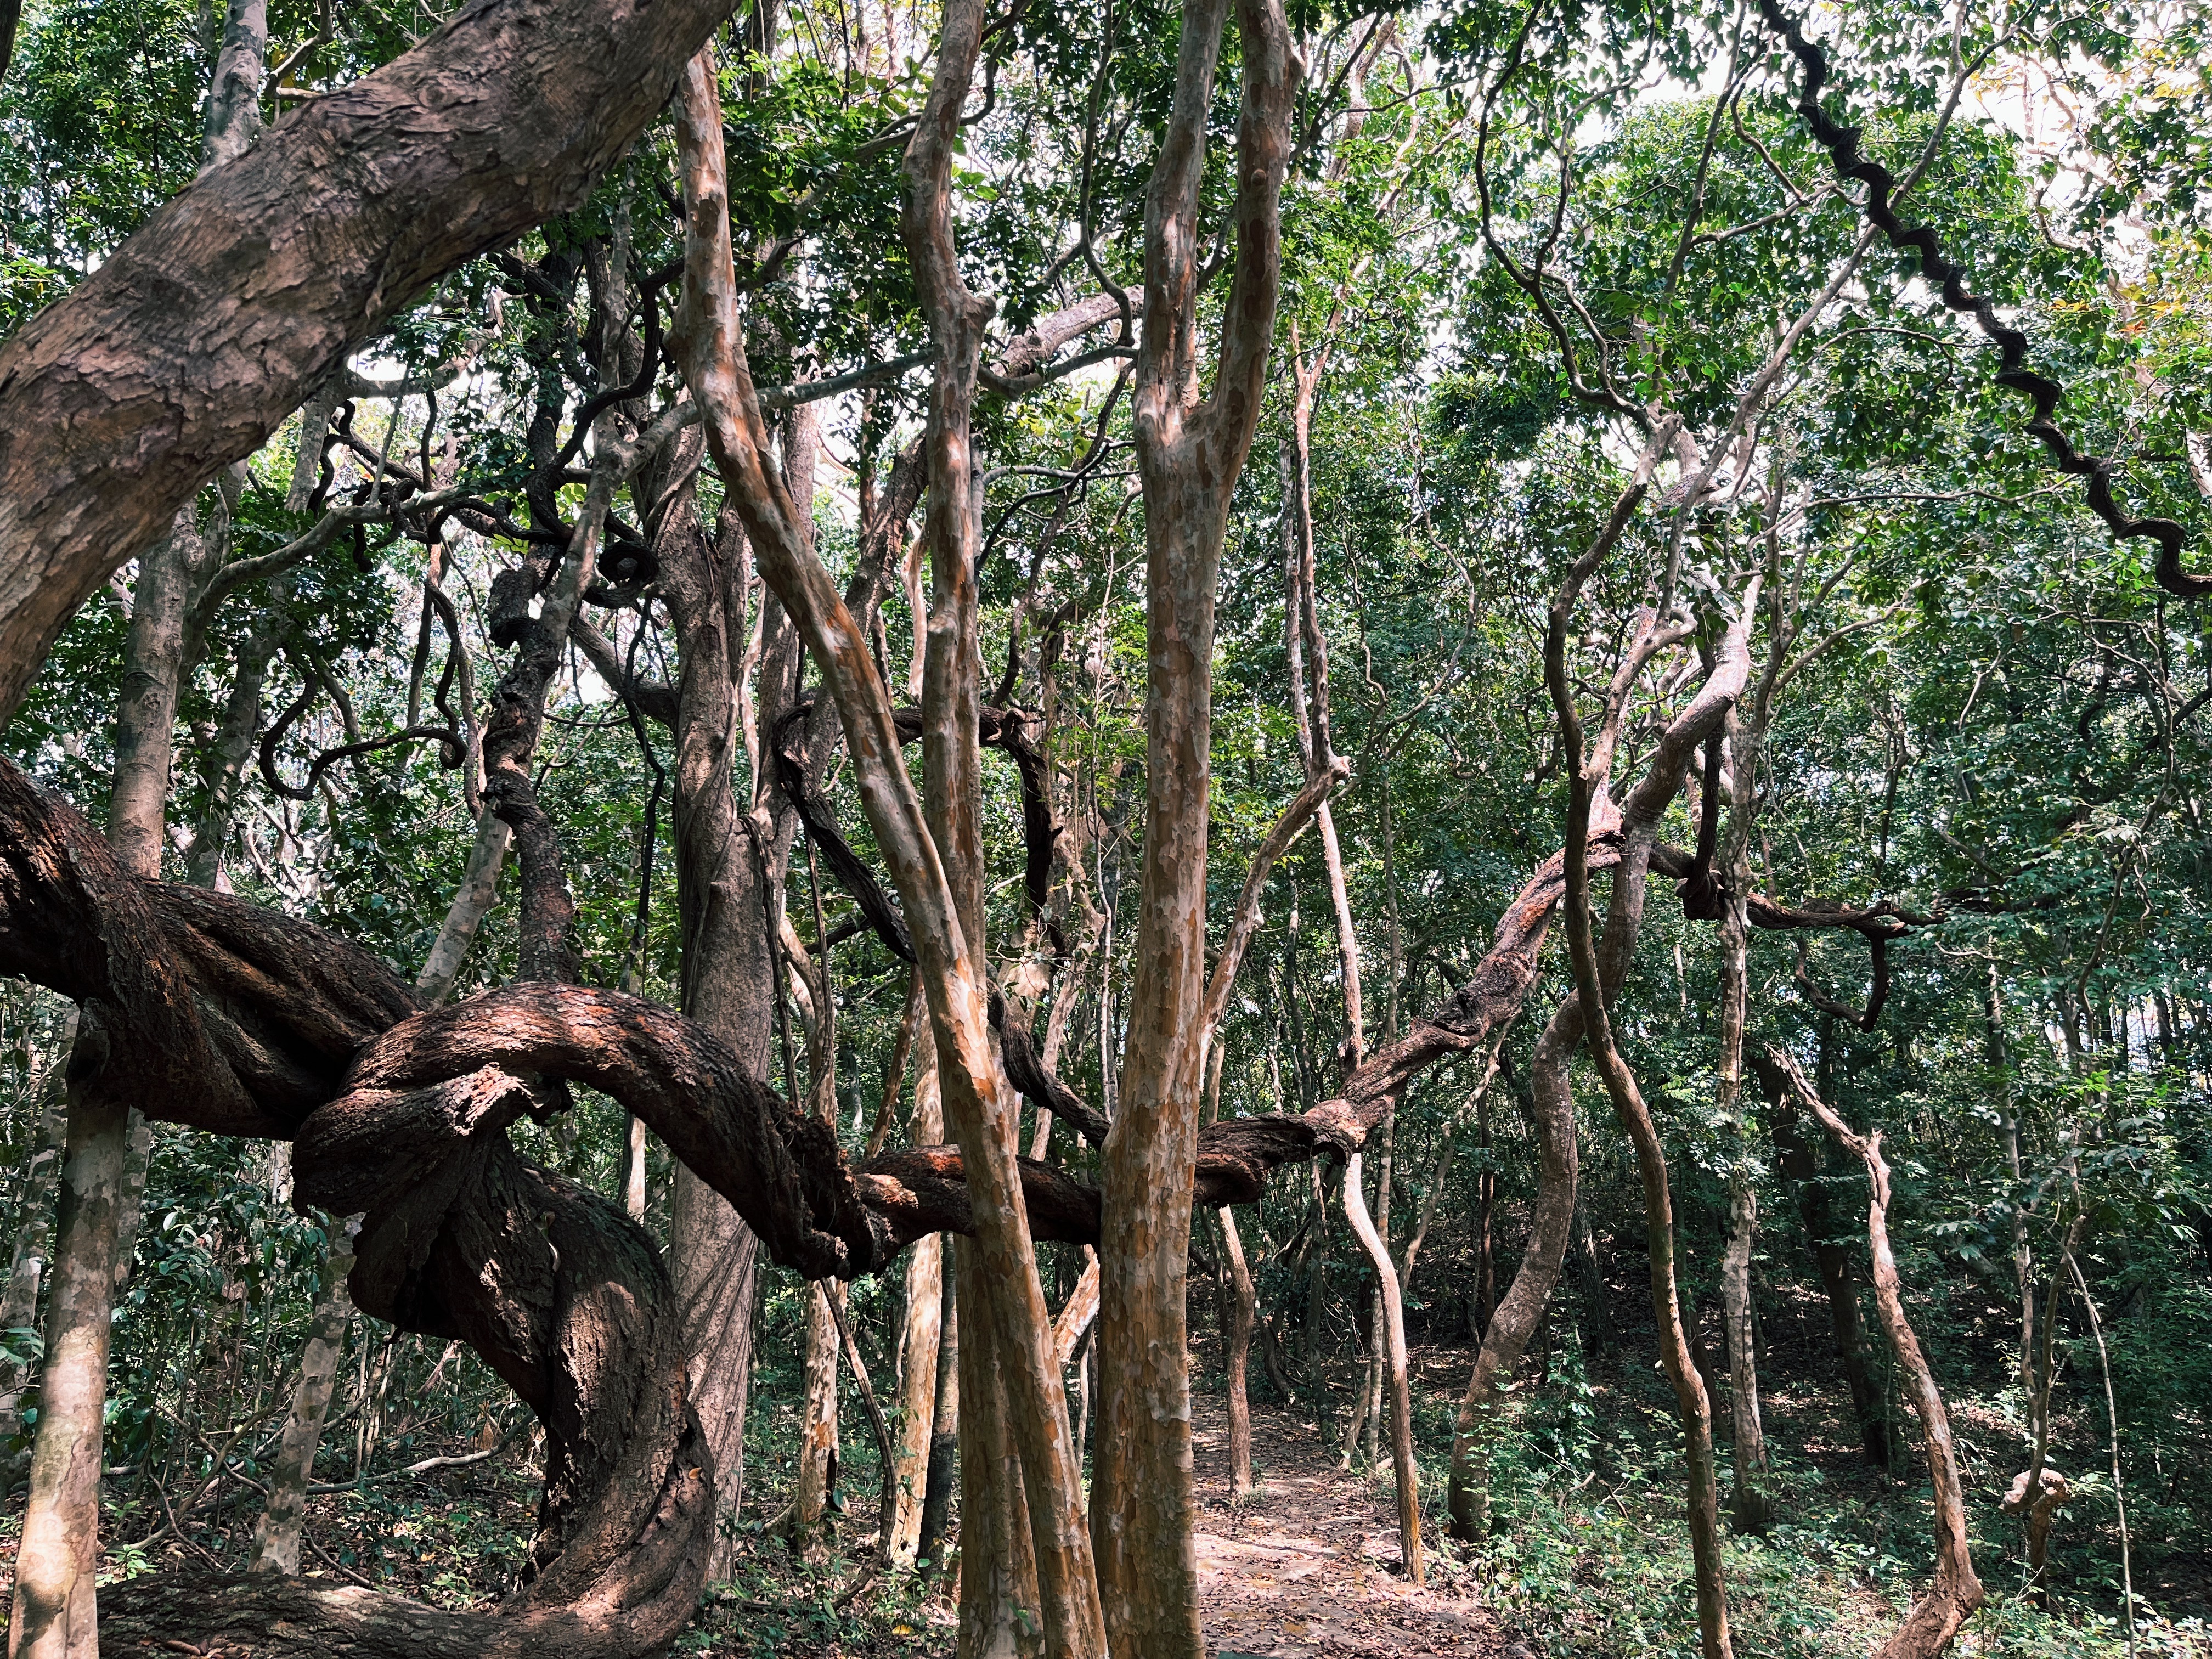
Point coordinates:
pixel 1243 1304
pixel 979 1106
pixel 1750 1509
pixel 924 1325
pixel 1955 1593
pixel 944 1432
pixel 199 336
pixel 1394 1334
pixel 1189 455
pixel 277 1539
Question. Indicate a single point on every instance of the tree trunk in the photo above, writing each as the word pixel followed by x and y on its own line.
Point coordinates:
pixel 54 1615
pixel 277 1539
pixel 1956 1592
pixel 924 1321
pixel 1550 1217
pixel 472 903
pixel 944 1435
pixel 1394 1336
pixel 1749 1508
pixel 1189 451
pixel 1243 1301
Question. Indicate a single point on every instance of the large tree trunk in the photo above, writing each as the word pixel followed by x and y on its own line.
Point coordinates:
pixel 1189 455
pixel 199 336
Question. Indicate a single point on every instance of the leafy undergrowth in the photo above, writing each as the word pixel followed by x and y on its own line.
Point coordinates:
pixel 777 1605
pixel 1590 1550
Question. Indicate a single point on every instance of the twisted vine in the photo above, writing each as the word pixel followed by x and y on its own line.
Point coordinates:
pixel 1842 143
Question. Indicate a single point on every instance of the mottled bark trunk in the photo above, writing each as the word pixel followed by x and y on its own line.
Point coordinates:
pixel 55 1615
pixel 1750 1509
pixel 1550 1217
pixel 1587 772
pixel 943 1473
pixel 1243 1304
pixel 1394 1337
pixel 277 1541
pixel 924 1324
pixel 1189 455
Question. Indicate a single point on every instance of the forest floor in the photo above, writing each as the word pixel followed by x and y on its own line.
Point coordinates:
pixel 1308 1564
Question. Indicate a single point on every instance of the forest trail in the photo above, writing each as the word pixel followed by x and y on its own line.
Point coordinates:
pixel 1308 1567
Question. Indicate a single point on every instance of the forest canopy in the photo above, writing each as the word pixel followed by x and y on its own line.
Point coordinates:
pixel 1122 829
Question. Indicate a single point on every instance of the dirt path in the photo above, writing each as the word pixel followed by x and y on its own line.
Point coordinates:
pixel 1308 1566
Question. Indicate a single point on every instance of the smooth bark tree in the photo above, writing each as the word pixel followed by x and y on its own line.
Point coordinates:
pixel 1955 1593
pixel 1189 451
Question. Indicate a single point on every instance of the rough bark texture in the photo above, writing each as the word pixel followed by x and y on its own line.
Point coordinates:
pixel 1955 1593
pixel 207 328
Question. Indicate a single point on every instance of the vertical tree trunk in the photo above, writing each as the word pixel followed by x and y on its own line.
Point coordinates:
pixel 1956 1592
pixel 1749 1508
pixel 1190 453
pixel 1550 1217
pixel 234 738
pixel 944 1431
pixel 925 1318
pixel 1394 1336
pixel 55 1615
pixel 277 1539
pixel 1243 1303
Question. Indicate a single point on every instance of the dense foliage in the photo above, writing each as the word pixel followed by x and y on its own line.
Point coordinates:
pixel 1510 234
